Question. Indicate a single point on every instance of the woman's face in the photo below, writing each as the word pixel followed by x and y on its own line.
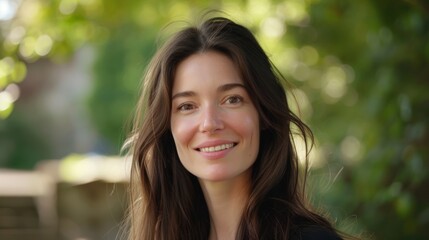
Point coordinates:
pixel 214 123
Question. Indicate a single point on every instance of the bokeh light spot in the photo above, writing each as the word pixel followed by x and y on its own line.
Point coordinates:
pixel 257 10
pixel 13 90
pixel 43 45
pixel 26 49
pixel 67 7
pixel 20 71
pixel 273 27
pixel 16 35
pixel 6 67
pixel 7 9
pixel 293 11
pixel 350 149
pixel 335 85
pixel 6 104
pixel 315 156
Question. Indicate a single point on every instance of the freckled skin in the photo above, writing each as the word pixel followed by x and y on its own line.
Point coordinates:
pixel 205 111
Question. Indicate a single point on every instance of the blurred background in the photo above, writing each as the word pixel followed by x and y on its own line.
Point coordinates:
pixel 70 71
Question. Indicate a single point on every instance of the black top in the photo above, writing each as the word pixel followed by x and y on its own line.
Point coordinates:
pixel 314 233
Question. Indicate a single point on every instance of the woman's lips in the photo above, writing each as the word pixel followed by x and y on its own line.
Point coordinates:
pixel 216 148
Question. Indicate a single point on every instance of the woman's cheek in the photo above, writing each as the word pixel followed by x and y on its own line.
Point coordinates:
pixel 182 129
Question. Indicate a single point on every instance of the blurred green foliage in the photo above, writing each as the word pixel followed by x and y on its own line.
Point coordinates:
pixel 119 67
pixel 360 69
pixel 387 46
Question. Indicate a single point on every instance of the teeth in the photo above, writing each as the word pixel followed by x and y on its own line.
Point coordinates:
pixel 217 148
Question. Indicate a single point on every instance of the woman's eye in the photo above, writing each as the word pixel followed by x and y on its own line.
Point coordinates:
pixel 185 107
pixel 234 100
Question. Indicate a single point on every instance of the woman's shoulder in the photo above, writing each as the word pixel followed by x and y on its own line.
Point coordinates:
pixel 314 232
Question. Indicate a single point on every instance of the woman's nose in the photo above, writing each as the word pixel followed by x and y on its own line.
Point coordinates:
pixel 211 120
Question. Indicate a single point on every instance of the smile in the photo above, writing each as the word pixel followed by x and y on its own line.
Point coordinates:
pixel 216 148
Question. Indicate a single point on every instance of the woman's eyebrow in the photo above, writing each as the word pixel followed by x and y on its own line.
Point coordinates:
pixel 183 94
pixel 222 88
pixel 229 86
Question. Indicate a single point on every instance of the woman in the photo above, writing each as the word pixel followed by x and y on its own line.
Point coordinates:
pixel 213 153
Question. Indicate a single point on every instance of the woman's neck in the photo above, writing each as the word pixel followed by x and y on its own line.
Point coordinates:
pixel 226 201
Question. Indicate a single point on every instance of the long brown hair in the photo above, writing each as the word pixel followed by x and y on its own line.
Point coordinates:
pixel 166 200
